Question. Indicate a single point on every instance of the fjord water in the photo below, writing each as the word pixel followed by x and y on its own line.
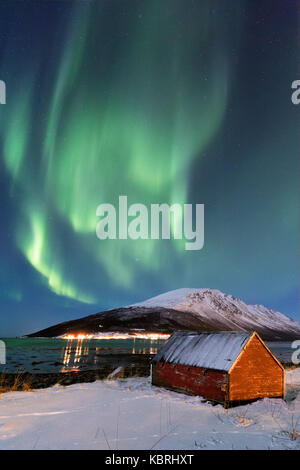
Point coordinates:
pixel 46 355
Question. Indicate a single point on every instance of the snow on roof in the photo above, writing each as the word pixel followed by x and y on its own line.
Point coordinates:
pixel 210 350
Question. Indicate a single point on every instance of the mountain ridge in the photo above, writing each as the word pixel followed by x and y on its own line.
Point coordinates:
pixel 183 309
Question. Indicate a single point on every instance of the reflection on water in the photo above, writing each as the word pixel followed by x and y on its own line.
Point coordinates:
pixel 81 353
pixel 42 355
pixel 74 355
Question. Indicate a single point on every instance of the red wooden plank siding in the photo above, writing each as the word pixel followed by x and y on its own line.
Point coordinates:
pixel 208 383
pixel 255 374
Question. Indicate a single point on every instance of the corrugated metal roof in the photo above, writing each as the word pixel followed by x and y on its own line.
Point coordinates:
pixel 210 350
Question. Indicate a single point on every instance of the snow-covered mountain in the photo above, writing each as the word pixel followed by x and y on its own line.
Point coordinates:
pixel 215 306
pixel 184 309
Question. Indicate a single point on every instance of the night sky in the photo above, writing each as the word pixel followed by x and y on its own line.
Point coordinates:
pixel 163 101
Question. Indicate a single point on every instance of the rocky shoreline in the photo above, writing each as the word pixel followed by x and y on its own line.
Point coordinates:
pixel 127 365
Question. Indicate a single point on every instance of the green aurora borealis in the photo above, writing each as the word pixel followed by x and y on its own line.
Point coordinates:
pixel 173 101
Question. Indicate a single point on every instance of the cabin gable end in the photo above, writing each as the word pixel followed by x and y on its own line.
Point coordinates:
pixel 256 373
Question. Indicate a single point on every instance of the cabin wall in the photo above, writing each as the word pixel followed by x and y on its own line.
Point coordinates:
pixel 255 374
pixel 191 380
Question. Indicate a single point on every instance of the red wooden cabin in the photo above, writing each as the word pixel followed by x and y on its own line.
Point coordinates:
pixel 225 367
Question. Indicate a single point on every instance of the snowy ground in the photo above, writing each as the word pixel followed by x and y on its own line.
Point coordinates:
pixel 130 414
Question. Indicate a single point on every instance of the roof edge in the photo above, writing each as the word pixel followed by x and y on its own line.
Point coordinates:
pixel 254 333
